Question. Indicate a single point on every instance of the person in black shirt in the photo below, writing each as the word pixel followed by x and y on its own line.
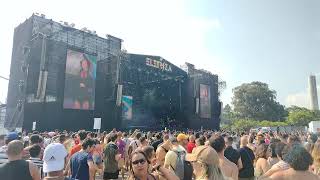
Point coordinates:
pixel 158 141
pixel 247 157
pixel 232 154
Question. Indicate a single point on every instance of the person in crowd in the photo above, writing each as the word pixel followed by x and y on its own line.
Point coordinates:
pixel 35 151
pixel 284 138
pixel 299 160
pixel 54 160
pixel 143 142
pixel 3 149
pixel 139 168
pixel 316 158
pixel 163 149
pixel 17 168
pixel 135 143
pixel 272 155
pixel 262 165
pixel 228 168
pixel 157 142
pixel 311 140
pixel 97 156
pixel 81 163
pixel 231 154
pixel 251 144
pixel 121 149
pixel 172 155
pixel 126 157
pixel 80 137
pixel 293 139
pixel 281 150
pixel 260 139
pixel 150 154
pixel 35 139
pixel 200 141
pixel 111 158
pixel 205 162
pixel 191 144
pixel 247 157
pixel 182 140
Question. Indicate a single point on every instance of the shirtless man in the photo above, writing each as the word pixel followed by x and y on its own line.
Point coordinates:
pixel 299 160
pixel 228 168
pixel 163 149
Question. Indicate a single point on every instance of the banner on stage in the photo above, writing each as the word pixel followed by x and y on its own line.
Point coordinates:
pixel 97 123
pixel 127 107
pixel 205 105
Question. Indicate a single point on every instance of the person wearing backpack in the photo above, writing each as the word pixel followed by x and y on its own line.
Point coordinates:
pixel 175 159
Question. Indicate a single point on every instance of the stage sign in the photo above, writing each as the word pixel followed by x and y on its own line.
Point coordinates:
pixel 79 89
pixel 158 64
pixel 127 107
pixel 205 105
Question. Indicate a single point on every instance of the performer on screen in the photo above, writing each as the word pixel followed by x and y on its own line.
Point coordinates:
pixel 84 97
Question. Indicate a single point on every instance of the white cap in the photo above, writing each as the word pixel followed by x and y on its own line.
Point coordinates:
pixel 53 157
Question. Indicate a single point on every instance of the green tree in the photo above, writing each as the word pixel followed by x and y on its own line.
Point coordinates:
pixel 243 124
pixel 256 101
pixel 227 115
pixel 301 116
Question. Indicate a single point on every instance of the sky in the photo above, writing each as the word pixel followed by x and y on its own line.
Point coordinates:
pixel 272 41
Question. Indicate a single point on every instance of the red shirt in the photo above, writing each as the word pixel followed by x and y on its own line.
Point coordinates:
pixel 190 147
pixel 75 149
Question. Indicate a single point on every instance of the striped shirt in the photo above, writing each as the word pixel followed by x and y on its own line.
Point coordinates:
pixel 39 163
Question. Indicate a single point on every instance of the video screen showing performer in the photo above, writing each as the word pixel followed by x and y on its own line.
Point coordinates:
pixel 79 90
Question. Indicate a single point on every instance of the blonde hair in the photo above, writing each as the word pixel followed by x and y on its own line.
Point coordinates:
pixel 213 172
pixel 316 154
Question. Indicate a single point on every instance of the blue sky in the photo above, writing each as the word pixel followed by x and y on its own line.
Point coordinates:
pixel 277 42
pixel 272 41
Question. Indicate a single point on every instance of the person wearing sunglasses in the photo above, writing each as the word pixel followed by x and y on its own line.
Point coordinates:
pixel 140 169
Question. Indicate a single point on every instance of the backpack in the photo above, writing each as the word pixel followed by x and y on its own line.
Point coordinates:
pixel 183 168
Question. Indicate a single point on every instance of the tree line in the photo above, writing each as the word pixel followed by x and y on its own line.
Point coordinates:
pixel 254 105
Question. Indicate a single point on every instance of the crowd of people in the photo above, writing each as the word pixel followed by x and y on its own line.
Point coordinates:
pixel 159 155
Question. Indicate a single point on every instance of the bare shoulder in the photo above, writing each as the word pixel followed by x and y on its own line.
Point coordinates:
pixel 278 175
pixel 230 164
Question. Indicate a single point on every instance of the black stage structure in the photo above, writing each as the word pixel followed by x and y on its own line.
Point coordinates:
pixel 124 90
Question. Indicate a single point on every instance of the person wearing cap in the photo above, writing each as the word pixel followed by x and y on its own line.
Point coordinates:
pixel 3 149
pixel 228 168
pixel 183 140
pixel 17 168
pixel 205 162
pixel 54 159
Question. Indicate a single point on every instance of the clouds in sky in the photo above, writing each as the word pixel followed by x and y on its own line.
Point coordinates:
pixel 163 28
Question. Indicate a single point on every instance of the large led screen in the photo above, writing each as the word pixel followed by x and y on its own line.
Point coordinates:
pixel 80 78
pixel 205 105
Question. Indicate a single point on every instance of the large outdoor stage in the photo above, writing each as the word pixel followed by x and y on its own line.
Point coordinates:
pixel 63 78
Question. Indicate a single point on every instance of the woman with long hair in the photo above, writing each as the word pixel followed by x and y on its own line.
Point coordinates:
pixel 262 165
pixel 139 167
pixel 316 158
pixel 205 163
